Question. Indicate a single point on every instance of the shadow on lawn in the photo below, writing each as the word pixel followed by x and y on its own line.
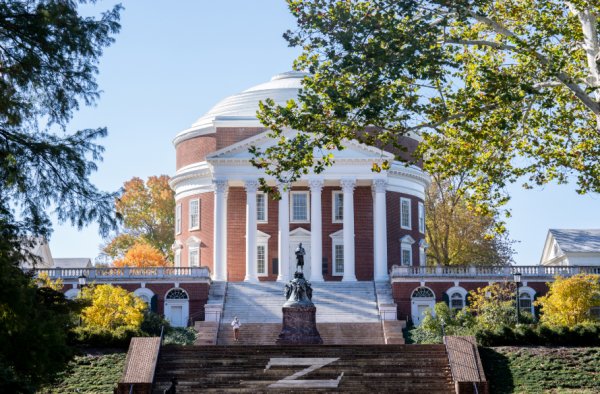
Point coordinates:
pixel 497 371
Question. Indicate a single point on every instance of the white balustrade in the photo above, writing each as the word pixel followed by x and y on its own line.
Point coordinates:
pixel 399 271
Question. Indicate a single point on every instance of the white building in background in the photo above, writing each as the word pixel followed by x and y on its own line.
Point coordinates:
pixel 572 247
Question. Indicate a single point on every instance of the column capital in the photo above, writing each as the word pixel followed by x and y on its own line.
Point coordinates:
pixel 316 185
pixel 348 184
pixel 251 185
pixel 220 185
pixel 379 185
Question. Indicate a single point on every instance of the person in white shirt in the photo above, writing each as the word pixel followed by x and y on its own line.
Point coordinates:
pixel 236 328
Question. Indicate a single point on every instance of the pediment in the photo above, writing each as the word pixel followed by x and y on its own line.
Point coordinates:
pixel 240 150
pixel 299 232
pixel 337 235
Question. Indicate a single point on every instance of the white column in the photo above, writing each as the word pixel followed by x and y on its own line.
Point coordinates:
pixel 220 230
pixel 348 188
pixel 284 234
pixel 251 274
pixel 380 231
pixel 316 231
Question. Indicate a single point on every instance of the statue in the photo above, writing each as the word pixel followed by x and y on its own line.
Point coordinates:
pixel 300 252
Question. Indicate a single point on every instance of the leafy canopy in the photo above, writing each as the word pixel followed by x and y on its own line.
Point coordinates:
pixel 142 255
pixel 443 321
pixel 494 306
pixel 569 300
pixel 111 307
pixel 501 90
pixel 456 234
pixel 148 213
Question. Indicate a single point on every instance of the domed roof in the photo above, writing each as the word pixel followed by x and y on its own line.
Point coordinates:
pixel 243 106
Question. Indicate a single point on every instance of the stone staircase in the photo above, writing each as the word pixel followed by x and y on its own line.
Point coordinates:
pixel 251 369
pixel 252 334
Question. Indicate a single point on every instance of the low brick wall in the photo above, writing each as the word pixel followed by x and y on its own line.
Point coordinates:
pixel 465 364
pixel 140 366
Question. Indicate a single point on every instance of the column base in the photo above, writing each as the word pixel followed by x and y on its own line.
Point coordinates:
pixel 251 279
pixel 382 278
pixel 349 278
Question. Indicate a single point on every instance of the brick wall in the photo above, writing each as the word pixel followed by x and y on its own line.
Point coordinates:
pixel 205 233
pixel 194 150
pixel 227 136
pixel 395 232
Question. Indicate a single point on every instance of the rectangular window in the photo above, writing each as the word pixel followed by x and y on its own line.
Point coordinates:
pixel 421 218
pixel 406 255
pixel 194 257
pixel 422 257
pixel 338 207
pixel 261 260
pixel 194 214
pixel 405 213
pixel 299 207
pixel 338 260
pixel 261 207
pixel 178 258
pixel 178 219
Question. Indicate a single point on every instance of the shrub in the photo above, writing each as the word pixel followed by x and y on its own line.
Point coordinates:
pixel 112 307
pixel 455 323
pixel 103 337
pixel 180 336
pixel 541 335
pixel 153 323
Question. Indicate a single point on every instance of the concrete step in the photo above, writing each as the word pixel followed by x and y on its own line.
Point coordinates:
pixel 207 333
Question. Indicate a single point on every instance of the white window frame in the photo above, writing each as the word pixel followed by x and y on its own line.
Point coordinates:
pixel 451 299
pixel 406 247
pixel 334 253
pixel 191 227
pixel 177 258
pixel 265 205
pixel 334 196
pixel 178 218
pixel 307 194
pixel 190 250
pixel 402 201
pixel 421 210
pixel 264 245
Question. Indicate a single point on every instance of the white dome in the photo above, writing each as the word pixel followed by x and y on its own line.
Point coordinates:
pixel 243 106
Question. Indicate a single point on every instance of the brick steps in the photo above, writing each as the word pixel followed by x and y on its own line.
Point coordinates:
pixel 392 331
pixel 207 333
pixel 331 333
pixel 376 368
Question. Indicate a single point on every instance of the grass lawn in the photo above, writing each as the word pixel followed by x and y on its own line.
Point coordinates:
pixel 95 372
pixel 542 370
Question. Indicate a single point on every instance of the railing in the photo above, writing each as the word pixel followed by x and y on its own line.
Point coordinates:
pixel 113 273
pixel 491 271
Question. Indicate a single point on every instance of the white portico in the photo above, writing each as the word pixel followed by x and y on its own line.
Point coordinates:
pixel 352 222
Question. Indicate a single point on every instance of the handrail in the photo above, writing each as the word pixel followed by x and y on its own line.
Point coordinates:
pixel 491 271
pixel 116 273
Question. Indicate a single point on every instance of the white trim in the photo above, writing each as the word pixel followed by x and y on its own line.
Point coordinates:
pixel 334 194
pixel 409 201
pixel 298 192
pixel 266 207
pixel 190 250
pixel 190 226
pixel 177 258
pixel 337 239
pixel 531 292
pixel 178 218
pixel 143 291
pixel 457 289
pixel 262 239
pixel 71 294
pixel 421 216
pixel 408 248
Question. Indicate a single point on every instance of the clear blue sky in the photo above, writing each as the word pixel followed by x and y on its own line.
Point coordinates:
pixel 173 60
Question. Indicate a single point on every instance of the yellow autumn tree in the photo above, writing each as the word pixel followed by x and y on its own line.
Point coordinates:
pixel 569 300
pixel 44 280
pixel 493 306
pixel 142 254
pixel 111 307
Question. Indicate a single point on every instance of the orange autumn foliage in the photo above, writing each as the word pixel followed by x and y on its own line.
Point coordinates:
pixel 142 255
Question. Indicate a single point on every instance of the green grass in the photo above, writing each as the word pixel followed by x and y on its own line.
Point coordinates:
pixel 542 370
pixel 90 373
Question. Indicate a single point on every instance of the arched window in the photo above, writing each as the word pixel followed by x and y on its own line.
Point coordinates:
pixel 422 292
pixel 177 294
pixel 457 301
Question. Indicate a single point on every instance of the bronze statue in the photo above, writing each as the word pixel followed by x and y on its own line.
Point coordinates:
pixel 300 252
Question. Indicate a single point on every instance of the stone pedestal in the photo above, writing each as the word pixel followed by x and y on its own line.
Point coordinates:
pixel 299 326
pixel 299 314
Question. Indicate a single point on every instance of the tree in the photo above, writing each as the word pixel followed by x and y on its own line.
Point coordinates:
pixel 503 91
pixel 444 321
pixel 142 255
pixel 48 62
pixel 494 306
pixel 456 235
pixel 148 212
pixel 569 300
pixel 111 307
